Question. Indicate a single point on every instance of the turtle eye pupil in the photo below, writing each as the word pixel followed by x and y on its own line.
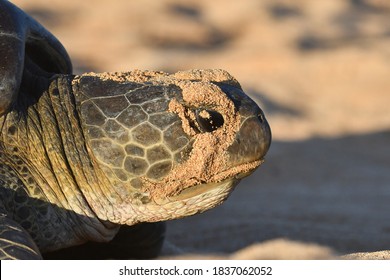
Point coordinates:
pixel 208 120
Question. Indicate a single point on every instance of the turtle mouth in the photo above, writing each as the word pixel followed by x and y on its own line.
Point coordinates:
pixel 196 198
pixel 225 186
pixel 218 185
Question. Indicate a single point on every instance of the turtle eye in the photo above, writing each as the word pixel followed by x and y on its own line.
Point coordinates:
pixel 208 120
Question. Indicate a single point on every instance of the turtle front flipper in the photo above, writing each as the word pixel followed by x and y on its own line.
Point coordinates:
pixel 20 37
pixel 15 242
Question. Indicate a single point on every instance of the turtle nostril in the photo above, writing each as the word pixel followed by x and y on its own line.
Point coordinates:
pixel 208 120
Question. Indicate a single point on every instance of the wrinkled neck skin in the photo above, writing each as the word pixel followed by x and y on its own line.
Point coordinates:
pixel 47 139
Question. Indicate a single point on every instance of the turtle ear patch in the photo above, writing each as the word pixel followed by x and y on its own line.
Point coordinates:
pixel 208 120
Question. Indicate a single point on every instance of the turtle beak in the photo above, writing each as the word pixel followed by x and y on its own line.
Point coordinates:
pixel 252 142
pixel 253 139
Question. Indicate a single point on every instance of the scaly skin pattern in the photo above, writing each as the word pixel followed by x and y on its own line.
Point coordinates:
pixel 82 155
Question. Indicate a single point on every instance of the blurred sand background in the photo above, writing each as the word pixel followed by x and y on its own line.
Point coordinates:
pixel 321 72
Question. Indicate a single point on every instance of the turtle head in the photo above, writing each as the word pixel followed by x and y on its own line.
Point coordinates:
pixel 170 145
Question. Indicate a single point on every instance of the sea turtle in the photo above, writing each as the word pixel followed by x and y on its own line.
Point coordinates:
pixel 103 158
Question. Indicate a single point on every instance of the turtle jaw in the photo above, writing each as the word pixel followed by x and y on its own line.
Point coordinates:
pixel 200 190
pixel 197 198
pixel 228 184
pixel 193 200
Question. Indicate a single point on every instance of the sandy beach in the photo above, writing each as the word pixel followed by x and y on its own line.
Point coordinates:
pixel 320 72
